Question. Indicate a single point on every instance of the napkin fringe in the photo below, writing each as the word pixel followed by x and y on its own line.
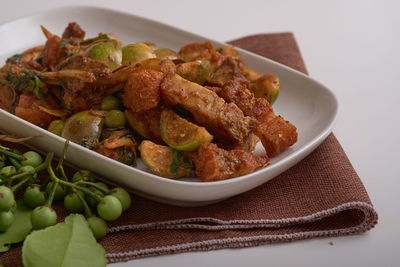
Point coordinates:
pixel 369 221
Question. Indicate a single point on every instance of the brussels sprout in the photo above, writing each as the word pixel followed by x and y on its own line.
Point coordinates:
pixel 181 134
pixel 137 123
pixel 56 127
pixel 250 74
pixel 166 53
pixel 228 50
pixel 267 86
pixel 83 128
pixel 135 53
pixel 109 52
pixel 159 159
pixel 195 71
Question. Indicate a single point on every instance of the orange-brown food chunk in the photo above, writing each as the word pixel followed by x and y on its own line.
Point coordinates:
pixel 73 30
pixel 142 90
pixel 275 133
pixel 28 109
pixel 52 52
pixel 213 163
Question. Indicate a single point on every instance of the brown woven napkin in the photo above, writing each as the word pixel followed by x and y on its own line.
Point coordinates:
pixel 319 197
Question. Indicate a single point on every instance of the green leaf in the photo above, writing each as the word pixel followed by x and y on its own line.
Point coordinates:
pixel 14 59
pixel 67 244
pixel 19 229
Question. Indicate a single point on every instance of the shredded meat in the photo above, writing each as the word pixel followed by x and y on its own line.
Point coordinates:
pixel 225 121
pixel 276 134
pixel 52 52
pixel 213 163
pixel 28 109
pixel 142 90
pixel 73 30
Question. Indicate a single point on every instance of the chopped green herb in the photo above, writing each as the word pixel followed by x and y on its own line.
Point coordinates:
pixel 180 161
pixel 64 43
pixel 89 142
pixel 14 59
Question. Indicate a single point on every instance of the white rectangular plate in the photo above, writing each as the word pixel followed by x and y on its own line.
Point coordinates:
pixel 309 105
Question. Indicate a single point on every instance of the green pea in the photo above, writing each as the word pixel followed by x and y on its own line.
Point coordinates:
pixel 111 102
pixel 56 127
pixel 115 119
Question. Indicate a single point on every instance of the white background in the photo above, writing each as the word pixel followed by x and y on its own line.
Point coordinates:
pixel 353 47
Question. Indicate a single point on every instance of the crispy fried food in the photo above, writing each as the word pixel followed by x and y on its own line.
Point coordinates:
pixel 28 109
pixel 206 51
pixel 73 31
pixel 7 97
pixel 142 90
pixel 276 134
pixel 224 120
pixel 52 52
pixel 214 164
pixel 229 69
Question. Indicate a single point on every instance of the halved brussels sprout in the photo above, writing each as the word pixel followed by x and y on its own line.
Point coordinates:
pixel 267 86
pixel 250 74
pixel 195 71
pixel 160 160
pixel 135 53
pixel 181 134
pixel 83 128
pixel 136 122
pixel 166 53
pixel 109 52
pixel 228 50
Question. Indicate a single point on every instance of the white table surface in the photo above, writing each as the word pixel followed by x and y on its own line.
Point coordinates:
pixel 353 47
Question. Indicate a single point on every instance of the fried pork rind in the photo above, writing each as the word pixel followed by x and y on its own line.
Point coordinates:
pixel 276 134
pixel 224 120
pixel 214 164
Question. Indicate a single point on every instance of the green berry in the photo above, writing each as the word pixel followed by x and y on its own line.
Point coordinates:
pixel 60 191
pixel 109 208
pixel 33 197
pixel 42 217
pixel 6 219
pixel 8 171
pixel 115 119
pixel 98 227
pixel 73 203
pixel 111 102
pixel 7 199
pixel 84 175
pixel 31 158
pixel 122 196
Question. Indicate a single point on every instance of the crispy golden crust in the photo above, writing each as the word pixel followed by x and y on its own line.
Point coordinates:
pixel 28 109
pixel 142 90
pixel 224 120
pixel 52 52
pixel 276 134
pixel 213 163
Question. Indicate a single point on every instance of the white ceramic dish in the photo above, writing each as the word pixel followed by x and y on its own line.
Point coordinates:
pixel 305 102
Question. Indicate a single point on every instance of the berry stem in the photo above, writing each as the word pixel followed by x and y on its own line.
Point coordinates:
pixel 100 188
